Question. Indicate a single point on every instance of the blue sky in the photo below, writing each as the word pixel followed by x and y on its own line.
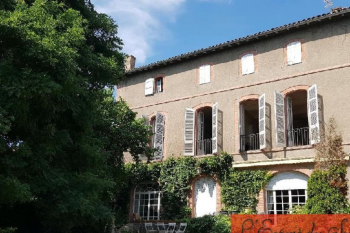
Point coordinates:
pixel 154 30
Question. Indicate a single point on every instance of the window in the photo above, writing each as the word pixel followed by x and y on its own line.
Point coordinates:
pixel 204 74
pixel 204 140
pixel 205 196
pixel 294 53
pixel 159 85
pixel 285 191
pixel 157 141
pixel 247 62
pixel 147 201
pixel 252 124
pixel 301 116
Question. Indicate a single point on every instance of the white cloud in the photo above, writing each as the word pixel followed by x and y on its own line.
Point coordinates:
pixel 141 22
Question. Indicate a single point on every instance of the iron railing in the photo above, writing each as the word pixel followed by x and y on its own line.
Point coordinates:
pixel 204 147
pixel 249 142
pixel 298 137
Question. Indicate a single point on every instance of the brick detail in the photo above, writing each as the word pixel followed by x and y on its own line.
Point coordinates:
pixel 294 89
pixel 236 120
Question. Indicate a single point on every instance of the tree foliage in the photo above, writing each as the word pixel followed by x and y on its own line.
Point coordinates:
pixel 327 185
pixel 61 135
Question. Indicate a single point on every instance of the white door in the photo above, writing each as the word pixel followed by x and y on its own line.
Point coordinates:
pixel 205 196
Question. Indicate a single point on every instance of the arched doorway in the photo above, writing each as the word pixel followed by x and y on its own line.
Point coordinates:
pixel 205 196
pixel 284 191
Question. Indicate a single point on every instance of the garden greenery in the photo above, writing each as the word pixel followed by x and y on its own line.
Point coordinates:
pixel 239 189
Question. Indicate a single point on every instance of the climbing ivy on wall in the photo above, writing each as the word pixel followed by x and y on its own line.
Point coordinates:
pixel 239 188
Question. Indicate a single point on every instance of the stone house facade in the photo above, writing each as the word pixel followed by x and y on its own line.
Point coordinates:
pixel 263 99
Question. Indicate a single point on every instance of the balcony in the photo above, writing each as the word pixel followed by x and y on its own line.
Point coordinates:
pixel 298 137
pixel 249 142
pixel 204 147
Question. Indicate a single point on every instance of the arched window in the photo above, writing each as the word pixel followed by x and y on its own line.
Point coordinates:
pixel 205 196
pixel 147 201
pixel 284 191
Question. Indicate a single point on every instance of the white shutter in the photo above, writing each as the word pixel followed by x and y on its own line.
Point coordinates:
pixel 204 74
pixel 215 128
pixel 294 52
pixel 159 136
pixel 262 124
pixel 314 126
pixel 241 127
pixel 297 52
pixel 290 122
pixel 189 131
pixel 279 120
pixel 290 53
pixel 248 64
pixel 149 86
pixel 205 196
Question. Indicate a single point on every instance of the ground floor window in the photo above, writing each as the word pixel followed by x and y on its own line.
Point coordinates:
pixel 285 191
pixel 147 201
pixel 282 201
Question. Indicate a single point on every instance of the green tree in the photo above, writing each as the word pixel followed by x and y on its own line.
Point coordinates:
pixel 61 135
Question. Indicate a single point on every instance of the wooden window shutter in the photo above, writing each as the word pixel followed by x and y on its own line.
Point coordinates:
pixel 159 136
pixel 215 128
pixel 262 123
pixel 241 127
pixel 204 74
pixel 149 86
pixel 297 52
pixel 279 120
pixel 314 126
pixel 248 64
pixel 290 53
pixel 189 131
pixel 290 122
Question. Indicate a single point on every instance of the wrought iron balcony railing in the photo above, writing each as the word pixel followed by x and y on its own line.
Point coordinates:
pixel 204 147
pixel 249 142
pixel 298 137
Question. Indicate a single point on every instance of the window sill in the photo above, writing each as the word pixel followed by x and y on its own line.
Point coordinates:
pixel 295 63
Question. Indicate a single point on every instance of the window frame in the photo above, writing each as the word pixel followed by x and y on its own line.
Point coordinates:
pixel 290 199
pixel 137 201
pixel 156 79
pixel 302 51
pixel 210 64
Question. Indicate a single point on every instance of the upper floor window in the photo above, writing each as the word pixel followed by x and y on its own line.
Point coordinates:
pixel 159 85
pixel 248 65
pixel 204 74
pixel 154 85
pixel 299 110
pixel 204 140
pixel 252 124
pixel 294 53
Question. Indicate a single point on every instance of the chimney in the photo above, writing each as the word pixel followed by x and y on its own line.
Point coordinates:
pixel 130 62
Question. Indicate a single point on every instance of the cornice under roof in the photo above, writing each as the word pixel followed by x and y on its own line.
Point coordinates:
pixel 337 13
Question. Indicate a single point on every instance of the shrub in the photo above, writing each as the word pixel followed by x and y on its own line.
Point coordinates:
pixel 208 224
